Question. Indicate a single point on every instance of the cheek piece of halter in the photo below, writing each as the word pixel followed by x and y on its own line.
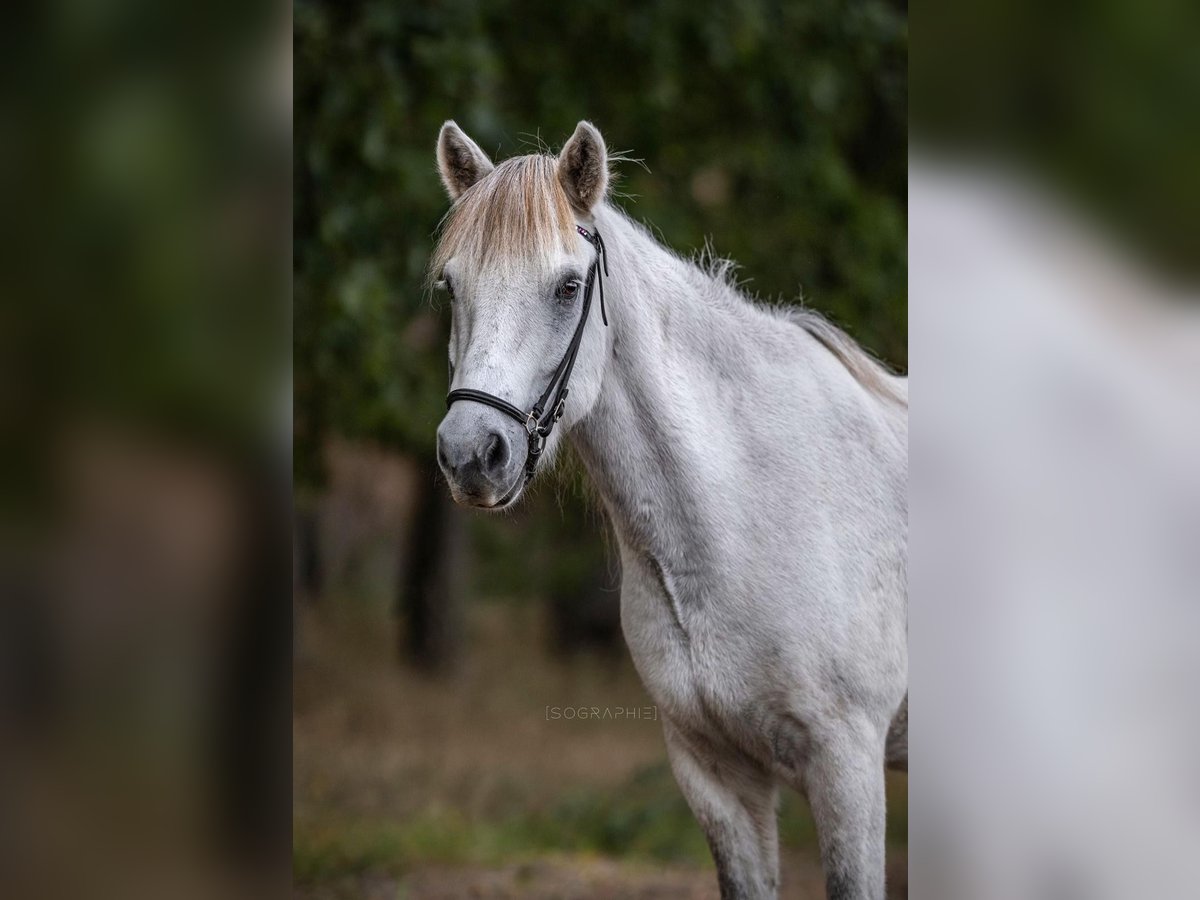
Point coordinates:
pixel 539 421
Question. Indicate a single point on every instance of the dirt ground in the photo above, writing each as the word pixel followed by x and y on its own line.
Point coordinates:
pixel 576 879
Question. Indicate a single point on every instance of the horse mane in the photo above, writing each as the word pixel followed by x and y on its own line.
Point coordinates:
pixel 865 368
pixel 518 209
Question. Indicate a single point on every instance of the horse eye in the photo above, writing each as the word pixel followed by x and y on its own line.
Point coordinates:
pixel 567 290
pixel 445 285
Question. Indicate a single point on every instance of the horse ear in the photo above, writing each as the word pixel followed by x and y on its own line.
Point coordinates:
pixel 460 161
pixel 583 168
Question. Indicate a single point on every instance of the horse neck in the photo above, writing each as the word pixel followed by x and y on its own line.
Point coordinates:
pixel 644 440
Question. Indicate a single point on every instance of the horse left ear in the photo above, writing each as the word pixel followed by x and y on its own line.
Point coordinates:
pixel 583 168
pixel 460 161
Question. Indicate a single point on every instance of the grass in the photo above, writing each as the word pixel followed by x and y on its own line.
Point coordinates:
pixel 646 820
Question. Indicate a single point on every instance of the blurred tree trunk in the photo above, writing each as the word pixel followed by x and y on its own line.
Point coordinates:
pixel 308 572
pixel 433 577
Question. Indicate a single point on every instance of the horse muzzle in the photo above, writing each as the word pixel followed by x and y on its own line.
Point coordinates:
pixel 482 463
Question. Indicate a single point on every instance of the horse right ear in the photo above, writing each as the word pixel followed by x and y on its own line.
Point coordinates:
pixel 460 161
pixel 583 168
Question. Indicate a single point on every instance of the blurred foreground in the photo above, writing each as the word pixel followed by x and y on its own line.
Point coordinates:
pixel 1054 493
pixel 1055 514
pixel 144 477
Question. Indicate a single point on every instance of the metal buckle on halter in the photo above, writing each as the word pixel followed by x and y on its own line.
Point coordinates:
pixel 531 424
pixel 558 409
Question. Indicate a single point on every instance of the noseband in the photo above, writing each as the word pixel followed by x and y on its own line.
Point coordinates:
pixel 539 422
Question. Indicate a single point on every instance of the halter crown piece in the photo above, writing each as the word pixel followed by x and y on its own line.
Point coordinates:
pixel 539 422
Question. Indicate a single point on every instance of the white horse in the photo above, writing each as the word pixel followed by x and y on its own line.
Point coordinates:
pixel 754 462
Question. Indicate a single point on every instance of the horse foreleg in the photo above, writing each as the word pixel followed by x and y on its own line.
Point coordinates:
pixel 734 801
pixel 843 777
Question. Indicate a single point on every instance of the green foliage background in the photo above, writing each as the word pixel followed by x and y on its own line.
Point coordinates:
pixel 776 129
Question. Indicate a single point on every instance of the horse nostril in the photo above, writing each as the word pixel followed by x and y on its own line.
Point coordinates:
pixel 496 454
pixel 443 459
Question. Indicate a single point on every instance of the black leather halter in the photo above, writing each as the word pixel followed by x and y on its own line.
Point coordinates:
pixel 541 419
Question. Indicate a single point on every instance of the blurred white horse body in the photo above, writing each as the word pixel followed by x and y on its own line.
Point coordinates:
pixel 754 463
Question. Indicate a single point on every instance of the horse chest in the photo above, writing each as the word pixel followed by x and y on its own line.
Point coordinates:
pixel 694 679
